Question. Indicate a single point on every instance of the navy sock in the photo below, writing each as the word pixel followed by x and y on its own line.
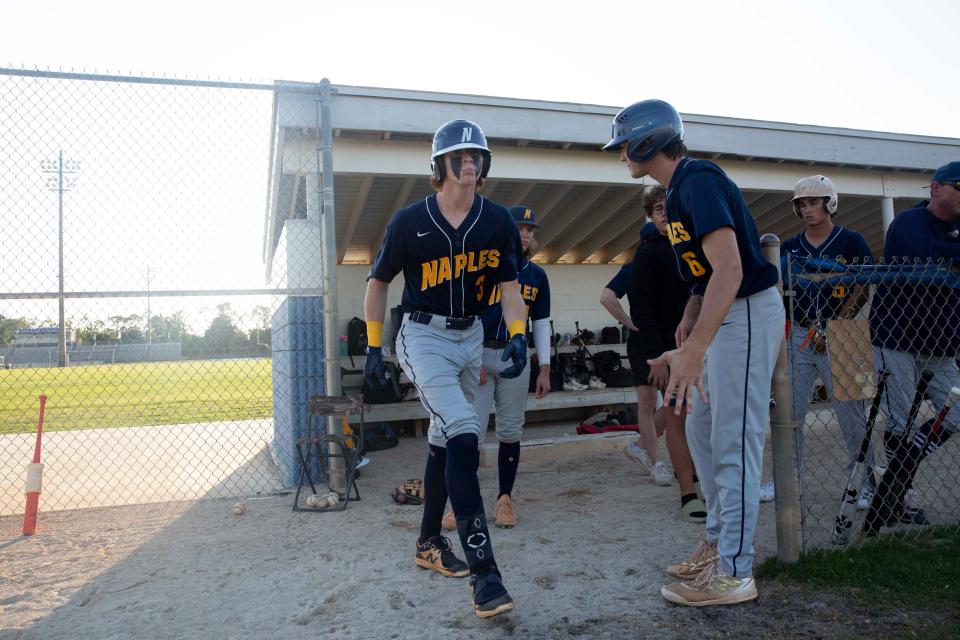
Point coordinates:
pixel 435 492
pixel 684 499
pixel 508 459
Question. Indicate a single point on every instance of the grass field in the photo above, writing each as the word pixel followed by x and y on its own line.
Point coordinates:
pixel 914 571
pixel 136 394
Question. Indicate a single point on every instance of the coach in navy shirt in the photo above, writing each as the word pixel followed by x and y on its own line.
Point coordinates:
pixel 916 327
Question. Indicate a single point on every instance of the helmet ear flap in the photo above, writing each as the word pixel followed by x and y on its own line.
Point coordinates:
pixel 637 149
pixel 438 167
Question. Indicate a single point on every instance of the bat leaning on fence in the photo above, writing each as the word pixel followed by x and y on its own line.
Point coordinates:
pixel 907 460
pixel 896 479
pixel 843 523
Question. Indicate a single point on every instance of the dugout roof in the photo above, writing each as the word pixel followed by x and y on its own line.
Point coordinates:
pixel 547 155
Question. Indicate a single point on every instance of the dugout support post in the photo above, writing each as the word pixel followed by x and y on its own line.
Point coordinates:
pixel 782 424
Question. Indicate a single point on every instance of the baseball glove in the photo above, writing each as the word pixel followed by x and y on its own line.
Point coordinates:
pixel 409 492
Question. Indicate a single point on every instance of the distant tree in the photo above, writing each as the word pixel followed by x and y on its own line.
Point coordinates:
pixel 91 331
pixel 223 336
pixel 175 327
pixel 9 326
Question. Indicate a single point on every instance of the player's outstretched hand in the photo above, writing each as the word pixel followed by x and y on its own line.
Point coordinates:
pixel 686 375
pixel 374 373
pixel 515 350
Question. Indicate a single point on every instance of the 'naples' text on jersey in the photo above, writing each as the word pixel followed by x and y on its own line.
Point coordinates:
pixel 447 271
pixel 535 291
pixel 701 199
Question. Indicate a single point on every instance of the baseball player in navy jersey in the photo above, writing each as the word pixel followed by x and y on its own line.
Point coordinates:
pixel 510 394
pixel 658 297
pixel 734 320
pixel 915 328
pixel 617 288
pixel 453 248
pixel 815 201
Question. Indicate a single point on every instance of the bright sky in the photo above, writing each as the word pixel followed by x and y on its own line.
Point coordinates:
pixel 871 64
pixel 879 65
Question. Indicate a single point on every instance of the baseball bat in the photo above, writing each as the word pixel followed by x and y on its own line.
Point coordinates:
pixel 884 500
pixel 915 450
pixel 34 479
pixel 843 523
pixel 937 425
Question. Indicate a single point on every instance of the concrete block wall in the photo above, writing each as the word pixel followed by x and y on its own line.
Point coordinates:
pixel 297 337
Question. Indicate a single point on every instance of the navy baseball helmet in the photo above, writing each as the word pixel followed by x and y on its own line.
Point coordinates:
pixel 647 127
pixel 524 215
pixel 456 135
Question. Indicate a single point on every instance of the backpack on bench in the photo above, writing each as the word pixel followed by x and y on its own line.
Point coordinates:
pixel 610 369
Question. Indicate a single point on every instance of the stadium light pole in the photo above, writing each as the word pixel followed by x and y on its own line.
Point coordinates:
pixel 60 184
pixel 149 272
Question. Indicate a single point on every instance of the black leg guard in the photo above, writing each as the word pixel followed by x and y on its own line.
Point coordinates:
pixel 475 537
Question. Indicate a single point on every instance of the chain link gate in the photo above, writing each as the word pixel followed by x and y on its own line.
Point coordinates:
pixel 859 475
pixel 134 293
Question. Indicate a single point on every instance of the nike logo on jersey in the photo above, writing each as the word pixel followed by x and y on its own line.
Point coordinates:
pixel 425 233
pixel 436 272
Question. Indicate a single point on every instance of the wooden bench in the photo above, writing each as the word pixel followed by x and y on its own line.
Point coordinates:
pixel 412 410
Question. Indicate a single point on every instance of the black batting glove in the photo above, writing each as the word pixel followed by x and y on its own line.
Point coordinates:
pixel 515 350
pixel 374 373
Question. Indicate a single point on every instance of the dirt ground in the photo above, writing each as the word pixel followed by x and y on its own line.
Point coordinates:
pixel 585 561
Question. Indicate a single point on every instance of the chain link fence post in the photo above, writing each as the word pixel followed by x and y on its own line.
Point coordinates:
pixel 782 426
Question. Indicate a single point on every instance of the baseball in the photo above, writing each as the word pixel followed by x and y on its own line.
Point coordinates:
pixel 312 501
pixel 332 500
pixel 239 509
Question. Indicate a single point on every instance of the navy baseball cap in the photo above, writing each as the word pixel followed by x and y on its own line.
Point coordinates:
pixel 524 215
pixel 949 172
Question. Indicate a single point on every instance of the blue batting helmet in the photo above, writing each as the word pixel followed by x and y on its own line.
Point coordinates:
pixel 647 127
pixel 456 135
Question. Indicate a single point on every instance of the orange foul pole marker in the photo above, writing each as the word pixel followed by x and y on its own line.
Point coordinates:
pixel 34 479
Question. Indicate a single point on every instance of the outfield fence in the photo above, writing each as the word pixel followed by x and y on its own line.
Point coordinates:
pixel 135 229
pixel 858 329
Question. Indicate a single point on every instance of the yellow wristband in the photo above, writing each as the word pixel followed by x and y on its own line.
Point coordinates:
pixel 517 327
pixel 374 333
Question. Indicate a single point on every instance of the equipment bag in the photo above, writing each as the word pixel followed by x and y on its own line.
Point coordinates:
pixel 356 337
pixel 388 393
pixel 610 369
pixel 574 366
pixel 379 436
pixel 610 335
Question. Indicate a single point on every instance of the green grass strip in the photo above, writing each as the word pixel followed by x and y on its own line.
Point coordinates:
pixel 918 569
pixel 136 394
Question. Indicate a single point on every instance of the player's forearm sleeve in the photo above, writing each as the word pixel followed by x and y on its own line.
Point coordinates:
pixel 541 339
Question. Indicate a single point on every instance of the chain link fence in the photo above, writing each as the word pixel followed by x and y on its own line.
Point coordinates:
pixel 872 355
pixel 135 292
